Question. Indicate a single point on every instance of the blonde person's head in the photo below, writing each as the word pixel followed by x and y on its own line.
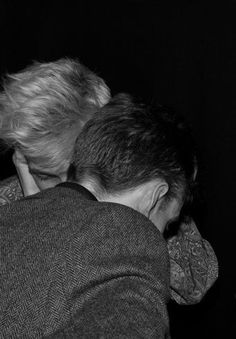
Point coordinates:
pixel 43 108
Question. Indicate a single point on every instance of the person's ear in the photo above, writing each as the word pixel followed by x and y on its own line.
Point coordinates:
pixel 153 196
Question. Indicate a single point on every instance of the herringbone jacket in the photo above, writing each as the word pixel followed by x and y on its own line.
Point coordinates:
pixel 73 267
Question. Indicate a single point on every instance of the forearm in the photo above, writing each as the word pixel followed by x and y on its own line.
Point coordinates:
pixel 124 309
pixel 194 266
pixel 129 290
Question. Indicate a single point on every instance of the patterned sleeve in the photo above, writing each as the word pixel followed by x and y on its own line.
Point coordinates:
pixel 193 264
pixel 10 190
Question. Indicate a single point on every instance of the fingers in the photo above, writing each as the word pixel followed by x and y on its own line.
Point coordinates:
pixel 27 181
pixel 18 157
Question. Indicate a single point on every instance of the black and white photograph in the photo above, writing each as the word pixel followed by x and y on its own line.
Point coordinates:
pixel 117 169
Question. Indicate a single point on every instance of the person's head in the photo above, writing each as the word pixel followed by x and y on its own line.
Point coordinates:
pixel 136 155
pixel 42 110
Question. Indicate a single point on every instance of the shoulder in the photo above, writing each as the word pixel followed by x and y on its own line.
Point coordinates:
pixel 128 219
pixel 123 229
pixel 66 217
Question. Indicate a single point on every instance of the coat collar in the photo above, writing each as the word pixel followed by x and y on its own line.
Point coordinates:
pixel 81 189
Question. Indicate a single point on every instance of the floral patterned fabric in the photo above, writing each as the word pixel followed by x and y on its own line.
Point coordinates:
pixel 193 263
pixel 10 190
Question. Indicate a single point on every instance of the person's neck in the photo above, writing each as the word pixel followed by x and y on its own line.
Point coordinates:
pixel 127 198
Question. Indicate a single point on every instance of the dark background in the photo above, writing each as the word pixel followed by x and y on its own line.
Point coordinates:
pixel 180 53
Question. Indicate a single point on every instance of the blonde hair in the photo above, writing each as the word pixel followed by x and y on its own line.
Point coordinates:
pixel 43 108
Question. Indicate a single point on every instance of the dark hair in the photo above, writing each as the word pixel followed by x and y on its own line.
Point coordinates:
pixel 127 144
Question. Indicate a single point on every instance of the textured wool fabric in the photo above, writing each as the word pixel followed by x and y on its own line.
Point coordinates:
pixel 193 263
pixel 73 267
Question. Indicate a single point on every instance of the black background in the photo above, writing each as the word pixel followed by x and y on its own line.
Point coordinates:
pixel 180 53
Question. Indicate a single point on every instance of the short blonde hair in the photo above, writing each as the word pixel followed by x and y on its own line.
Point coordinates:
pixel 43 108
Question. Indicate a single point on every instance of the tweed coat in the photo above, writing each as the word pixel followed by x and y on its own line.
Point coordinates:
pixel 73 267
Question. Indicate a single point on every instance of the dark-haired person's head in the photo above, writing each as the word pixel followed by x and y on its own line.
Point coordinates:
pixel 139 156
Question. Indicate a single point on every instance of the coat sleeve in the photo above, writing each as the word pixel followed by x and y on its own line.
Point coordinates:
pixel 128 298
pixel 122 310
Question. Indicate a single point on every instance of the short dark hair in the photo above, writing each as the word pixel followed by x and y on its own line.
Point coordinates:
pixel 127 144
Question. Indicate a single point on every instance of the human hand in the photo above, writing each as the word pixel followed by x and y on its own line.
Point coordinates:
pixel 27 181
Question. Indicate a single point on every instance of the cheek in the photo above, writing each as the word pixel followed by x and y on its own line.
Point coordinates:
pixel 174 211
pixel 44 184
